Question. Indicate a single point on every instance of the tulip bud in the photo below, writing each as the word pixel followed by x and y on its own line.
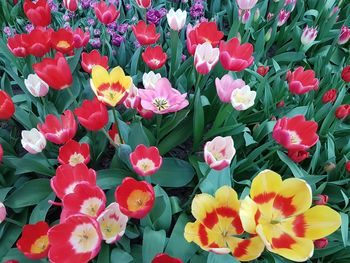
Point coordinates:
pixel 176 20
pixel 36 86
pixel 345 74
pixel 205 58
pixel 347 166
pixel 2 212
pixel 262 71
pixel 144 3
pixel 342 111
pixel 322 200
pixel 344 35
pixel 280 104
pixel 7 108
pixel 1 153
pixel 309 35
pixel 268 35
pixel 256 14
pixel 71 5
pixel 245 15
pixel 298 156
pixel 219 152
pixel 321 243
pixel 329 96
pixel 33 141
pixel 283 17
pixel 329 167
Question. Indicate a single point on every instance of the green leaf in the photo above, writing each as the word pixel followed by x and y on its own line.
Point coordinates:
pixel 173 173
pixel 198 120
pixel 118 256
pixel 29 163
pixel 297 172
pixel 344 228
pixel 289 57
pixel 40 211
pixel 152 244
pixel 215 258
pixel 31 193
pixel 137 135
pixel 103 255
pixel 215 180
pixel 109 178
pixel 163 220
pixel 134 62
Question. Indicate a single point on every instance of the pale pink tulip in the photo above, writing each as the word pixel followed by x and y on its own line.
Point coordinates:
pixel 2 212
pixel 226 85
pixel 36 86
pixel 33 141
pixel 205 58
pixel 219 152
pixel 176 20
pixel 344 35
pixel 243 98
pixel 246 4
pixel 309 35
pixel 283 17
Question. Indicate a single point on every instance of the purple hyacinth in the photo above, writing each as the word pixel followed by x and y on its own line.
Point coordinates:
pixel 137 44
pixel 127 6
pixel 117 40
pixel 29 28
pixel 122 28
pixel 66 18
pixel 85 4
pixel 113 2
pixel 53 6
pixel 95 43
pixel 91 21
pixel 154 16
pixel 97 32
pixel 183 57
pixel 7 30
pixel 197 10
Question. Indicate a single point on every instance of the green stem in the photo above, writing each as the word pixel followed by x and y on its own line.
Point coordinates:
pixel 159 122
pixel 117 124
pixel 174 42
pixel 109 137
pixel 15 222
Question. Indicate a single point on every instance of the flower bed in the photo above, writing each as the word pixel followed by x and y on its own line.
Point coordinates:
pixel 174 131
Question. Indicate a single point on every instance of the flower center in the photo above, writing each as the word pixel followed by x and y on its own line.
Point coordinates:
pixel 160 103
pixel 84 238
pixel 91 206
pixel 63 44
pixel 137 200
pixel 40 245
pixel 145 164
pixel 110 227
pixel 294 138
pixel 155 61
pixel 76 158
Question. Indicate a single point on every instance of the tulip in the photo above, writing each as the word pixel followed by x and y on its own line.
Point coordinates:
pixel 39 12
pixel 106 14
pixel 345 74
pixel 74 153
pixel 37 42
pixel 92 114
pixel 329 96
pixel 17 46
pixel 154 57
pixel 205 58
pixel 145 161
pixel 301 82
pixel 321 243
pixel 89 60
pixel 71 5
pixel 322 200
pixel 62 40
pixel 176 20
pixel 219 152
pixel 33 141
pixel 298 155
pixel 267 36
pixel 226 85
pixel 342 111
pixel 309 35
pixel 2 212
pixel 59 131
pixel 163 99
pixel 295 133
pixel 246 4
pixel 114 134
pixel 133 100
pixel 344 35
pixel 149 80
pixel 244 15
pixel 236 57
pixel 262 71
pixel 110 88
pixel 165 258
pixel 7 108
pixel 55 72
pixel 144 3
pixel 36 86
pixel 283 17
pixel 280 104
pixel 347 166
pixel 145 34
pixel 243 98
pixel 81 38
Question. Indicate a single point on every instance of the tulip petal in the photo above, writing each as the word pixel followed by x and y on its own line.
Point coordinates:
pixel 246 249
pixel 99 76
pixel 203 209
pixel 249 214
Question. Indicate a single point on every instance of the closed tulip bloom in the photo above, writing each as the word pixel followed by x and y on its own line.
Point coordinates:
pixel 243 98
pixel 7 108
pixel 59 130
pixel 145 160
pixel 219 152
pixel 321 243
pixel 33 141
pixel 347 166
pixel 246 4
pixel 62 40
pixel 154 57
pixel 309 35
pixel 36 86
pixel 145 34
pixel 226 85
pixel 17 45
pixel 342 111
pixel 39 12
pixel 322 200
pixel 55 72
pixel 344 35
pixel 2 212
pixel 92 114
pixel 283 17
pixel 329 96
pixel 144 3
pixel 301 82
pixel 205 58
pixel 234 56
pixel 298 155
pixel 176 20
pixel 262 71
pixel 149 80
pixel 345 74
pixel 71 5
pixel 89 60
pixel 110 87
pixel 295 133
pixel 106 14
pixel 81 38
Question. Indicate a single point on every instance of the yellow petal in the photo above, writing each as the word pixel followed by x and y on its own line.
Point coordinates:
pixel 116 75
pixel 99 76
pixel 249 215
pixel 202 205
pixel 246 249
pixel 294 197
pixel 225 196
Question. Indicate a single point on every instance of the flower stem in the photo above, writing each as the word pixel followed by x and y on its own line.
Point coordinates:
pixel 117 124
pixel 15 222
pixel 109 137
pixel 174 42
pixel 159 122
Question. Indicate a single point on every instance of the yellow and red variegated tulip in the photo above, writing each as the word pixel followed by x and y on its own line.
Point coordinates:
pixel 110 88
pixel 279 212
pixel 218 224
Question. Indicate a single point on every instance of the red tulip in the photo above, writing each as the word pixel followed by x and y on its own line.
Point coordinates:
pixel 321 243
pixel 298 155
pixel 39 12
pixel 92 114
pixel 89 60
pixel 301 82
pixel 145 34
pixel 342 111
pixel 34 242
pixel 262 71
pixel 236 57
pixel 347 166
pixel 280 104
pixel 7 108
pixel 114 134
pixel 81 38
pixel 144 3
pixel 154 57
pixel 322 200
pixel 12 260
pixel 62 40
pixel 106 14
pixel 55 72
pixel 345 74
pixel 37 42
pixel 165 258
pixel 1 153
pixel 59 131
pixel 329 96
pixel 73 153
pixel 201 33
pixel 71 5
pixel 295 133
pixel 145 161
pixel 17 46
pixel 136 199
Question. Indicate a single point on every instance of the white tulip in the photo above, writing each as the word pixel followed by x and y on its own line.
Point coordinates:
pixel 33 141
pixel 176 20
pixel 150 79
pixel 36 86
pixel 243 98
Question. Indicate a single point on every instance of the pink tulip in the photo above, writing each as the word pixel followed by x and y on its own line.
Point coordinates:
pixel 344 35
pixel 205 58
pixel 301 82
pixel 244 15
pixel 226 85
pixel 246 4
pixel 309 35
pixel 2 212
pixel 71 5
pixel 219 152
pixel 283 17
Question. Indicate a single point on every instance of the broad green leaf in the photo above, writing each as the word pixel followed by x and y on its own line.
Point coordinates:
pixel 152 244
